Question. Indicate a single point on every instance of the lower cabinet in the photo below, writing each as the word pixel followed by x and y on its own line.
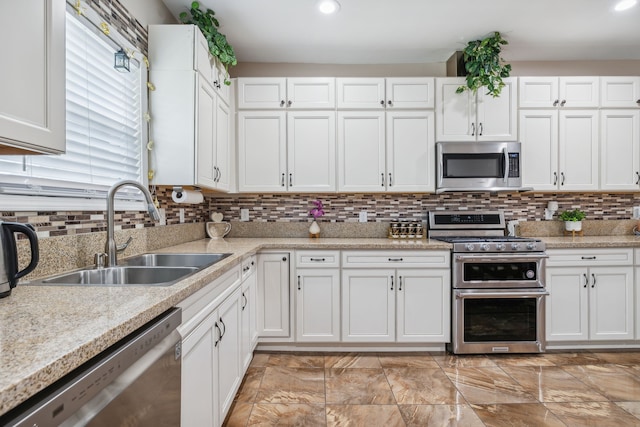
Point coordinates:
pixel 249 295
pixel 273 295
pixel 228 350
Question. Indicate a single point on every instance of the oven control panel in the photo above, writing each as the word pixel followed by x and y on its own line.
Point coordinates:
pixel 506 246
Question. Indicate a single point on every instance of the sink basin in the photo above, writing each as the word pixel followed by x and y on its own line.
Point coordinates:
pixel 121 276
pixel 174 260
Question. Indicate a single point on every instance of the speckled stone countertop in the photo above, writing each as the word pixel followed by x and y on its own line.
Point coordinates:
pixel 569 242
pixel 47 331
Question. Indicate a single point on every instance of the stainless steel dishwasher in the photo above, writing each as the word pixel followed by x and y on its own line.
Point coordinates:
pixel 136 382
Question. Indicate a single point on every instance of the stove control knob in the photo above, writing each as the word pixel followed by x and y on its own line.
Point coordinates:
pixel 501 246
pixel 530 274
pixel 469 247
pixel 515 246
pixel 484 247
pixel 531 245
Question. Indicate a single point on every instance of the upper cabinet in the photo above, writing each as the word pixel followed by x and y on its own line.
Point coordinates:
pixel 306 93
pixel 620 92
pixel 32 90
pixel 559 92
pixel 380 93
pixel 475 117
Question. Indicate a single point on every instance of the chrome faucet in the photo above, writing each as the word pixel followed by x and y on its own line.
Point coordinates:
pixel 111 248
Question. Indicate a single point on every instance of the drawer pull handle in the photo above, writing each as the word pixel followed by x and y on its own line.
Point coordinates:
pixel 395 259
pixel 588 257
pixel 318 259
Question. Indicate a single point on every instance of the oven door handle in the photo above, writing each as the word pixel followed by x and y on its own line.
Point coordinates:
pixel 500 258
pixel 505 294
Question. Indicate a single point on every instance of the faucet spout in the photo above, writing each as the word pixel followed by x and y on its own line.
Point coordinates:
pixel 111 248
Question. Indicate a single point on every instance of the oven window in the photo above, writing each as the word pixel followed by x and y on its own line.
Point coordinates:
pixel 490 165
pixel 499 271
pixel 499 319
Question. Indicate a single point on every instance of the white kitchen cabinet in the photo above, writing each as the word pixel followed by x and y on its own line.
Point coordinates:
pixel 620 92
pixel 249 302
pixel 293 151
pixel 228 352
pixel 559 92
pixel 318 296
pixel 560 149
pixel 591 295
pixel 475 117
pixel 310 93
pixel 619 149
pixel 391 93
pixel 273 295
pixel 32 78
pixel 191 123
pixel 390 151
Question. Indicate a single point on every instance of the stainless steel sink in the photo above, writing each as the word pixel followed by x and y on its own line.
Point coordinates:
pixel 121 276
pixel 174 260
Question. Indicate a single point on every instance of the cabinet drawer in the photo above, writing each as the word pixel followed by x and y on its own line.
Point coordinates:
pixel 386 259
pixel 318 259
pixel 589 257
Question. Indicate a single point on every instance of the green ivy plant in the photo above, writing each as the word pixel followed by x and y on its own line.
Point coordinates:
pixel 484 65
pixel 218 44
pixel 573 215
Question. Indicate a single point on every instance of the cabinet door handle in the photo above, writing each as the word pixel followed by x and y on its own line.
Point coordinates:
pixel 395 259
pixel 282 182
pixel 284 258
pixel 219 337
pixel 561 178
pixel 390 180
pixel 555 103
pixel 224 331
pixel 588 257
pixel 299 283
pixel 473 129
pixel 390 103
pixel 400 283
pixel 555 178
pixel 290 180
pixel 638 102
pixel 382 102
pixel 391 282
pixel 289 103
pixel 382 179
pixel 586 280
pixel 282 103
pixel 564 101
pixel 638 176
pixel 317 259
pixel 244 304
pixel 593 284
pixel 480 129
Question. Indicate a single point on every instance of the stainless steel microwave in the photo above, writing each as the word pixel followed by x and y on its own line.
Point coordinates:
pixel 478 166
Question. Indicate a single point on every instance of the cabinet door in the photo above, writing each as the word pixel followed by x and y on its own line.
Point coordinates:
pixel 579 92
pixel 262 156
pixel 539 138
pixel 423 305
pixel 611 303
pixel 262 93
pixel 497 117
pixel 311 151
pixel 32 88
pixel 206 134
pixel 199 400
pixel 361 151
pixel 313 93
pixel 620 92
pixel 538 92
pixel 223 142
pixel 361 93
pixel 410 92
pixel 249 333
pixel 368 305
pixel 410 151
pixel 637 297
pixel 620 149
pixel 455 112
pixel 273 295
pixel 229 361
pixel 567 304
pixel 318 305
pixel 578 157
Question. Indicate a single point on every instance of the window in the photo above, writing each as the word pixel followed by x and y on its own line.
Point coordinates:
pixel 104 128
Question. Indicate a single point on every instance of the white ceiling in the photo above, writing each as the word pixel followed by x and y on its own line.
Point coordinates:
pixel 423 31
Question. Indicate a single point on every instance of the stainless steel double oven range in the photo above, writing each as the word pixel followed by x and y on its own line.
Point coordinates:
pixel 498 284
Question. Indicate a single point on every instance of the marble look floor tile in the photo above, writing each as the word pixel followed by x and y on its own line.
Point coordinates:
pixel 520 360
pixel 351 360
pixel 488 385
pixel 518 414
pixel 631 407
pixel 287 415
pixel 364 415
pixel 357 387
pixel 596 414
pixel 291 385
pixel 292 360
pixel 259 359
pixel 250 384
pixel 620 357
pixel 613 381
pixel 574 358
pixel 413 386
pixel 238 414
pixel 440 415
pixel 407 360
pixel 552 384
pixel 454 361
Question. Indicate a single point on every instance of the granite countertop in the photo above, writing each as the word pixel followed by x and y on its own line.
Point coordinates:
pixel 47 331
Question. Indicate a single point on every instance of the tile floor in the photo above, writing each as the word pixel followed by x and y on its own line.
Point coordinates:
pixel 437 389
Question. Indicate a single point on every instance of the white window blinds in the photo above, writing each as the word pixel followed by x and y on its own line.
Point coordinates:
pixel 103 126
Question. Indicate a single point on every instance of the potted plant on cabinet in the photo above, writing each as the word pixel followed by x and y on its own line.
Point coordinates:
pixel 484 66
pixel 573 219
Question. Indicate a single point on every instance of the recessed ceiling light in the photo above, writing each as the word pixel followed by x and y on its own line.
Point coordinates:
pixel 625 4
pixel 328 6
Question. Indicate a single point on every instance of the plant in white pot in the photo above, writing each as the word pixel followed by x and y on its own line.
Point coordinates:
pixel 573 219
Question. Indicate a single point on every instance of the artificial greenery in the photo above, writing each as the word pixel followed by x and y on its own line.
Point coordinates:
pixel 573 215
pixel 218 45
pixel 484 65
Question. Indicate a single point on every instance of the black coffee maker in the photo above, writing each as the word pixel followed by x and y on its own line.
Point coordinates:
pixel 9 273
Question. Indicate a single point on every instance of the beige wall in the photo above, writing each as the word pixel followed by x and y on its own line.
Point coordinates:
pixel 149 12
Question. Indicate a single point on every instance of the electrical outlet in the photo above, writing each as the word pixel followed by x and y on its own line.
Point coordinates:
pixel 181 215
pixel 636 212
pixel 244 214
pixel 363 216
